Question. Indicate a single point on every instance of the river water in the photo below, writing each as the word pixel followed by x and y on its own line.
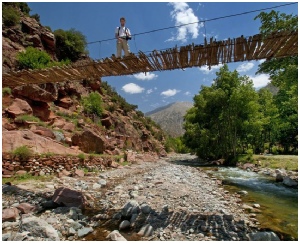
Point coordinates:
pixel 279 204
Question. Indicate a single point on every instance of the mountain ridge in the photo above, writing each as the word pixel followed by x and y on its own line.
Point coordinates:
pixel 170 117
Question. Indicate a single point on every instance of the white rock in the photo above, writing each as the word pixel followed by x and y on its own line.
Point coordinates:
pixel 116 236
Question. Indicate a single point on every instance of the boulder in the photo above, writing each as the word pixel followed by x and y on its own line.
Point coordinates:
pixel 68 197
pixel 289 182
pixel 19 107
pixel 79 173
pixel 10 214
pixel 146 230
pixel 130 156
pixel 115 236
pixel 131 207
pixel 125 224
pixel 263 236
pixel 40 228
pixel 33 92
pixel 65 102
pixel 43 131
pixel 84 231
pixel 41 110
pixel 89 141
pixel 38 144
pixel 26 208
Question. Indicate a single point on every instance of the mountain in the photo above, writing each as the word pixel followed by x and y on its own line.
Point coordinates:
pixel 170 117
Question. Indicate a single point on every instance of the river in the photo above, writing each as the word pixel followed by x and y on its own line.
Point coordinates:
pixel 278 203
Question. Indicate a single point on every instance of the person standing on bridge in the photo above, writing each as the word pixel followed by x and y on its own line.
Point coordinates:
pixel 122 35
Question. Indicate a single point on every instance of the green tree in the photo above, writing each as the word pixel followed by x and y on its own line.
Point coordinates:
pixel 216 125
pixel 10 15
pixel 70 44
pixel 284 75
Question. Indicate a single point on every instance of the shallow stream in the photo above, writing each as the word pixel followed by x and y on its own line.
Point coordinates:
pixel 278 203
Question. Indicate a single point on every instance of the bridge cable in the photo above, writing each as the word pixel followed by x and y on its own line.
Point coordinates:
pixel 213 19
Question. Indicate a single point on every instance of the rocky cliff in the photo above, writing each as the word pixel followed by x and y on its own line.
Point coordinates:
pixel 50 118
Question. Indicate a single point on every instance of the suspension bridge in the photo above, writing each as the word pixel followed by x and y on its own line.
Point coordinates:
pixel 211 52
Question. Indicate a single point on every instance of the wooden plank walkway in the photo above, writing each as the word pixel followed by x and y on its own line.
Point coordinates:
pixel 277 45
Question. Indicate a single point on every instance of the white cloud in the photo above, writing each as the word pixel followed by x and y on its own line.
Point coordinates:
pixel 260 80
pixel 132 88
pixel 149 91
pixel 170 92
pixel 261 61
pixel 245 67
pixel 187 93
pixel 183 14
pixel 145 76
pixel 205 69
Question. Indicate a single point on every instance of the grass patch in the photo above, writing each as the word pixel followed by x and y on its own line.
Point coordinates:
pixel 288 162
pixel 17 179
pixel 23 153
pixel 6 91
pixel 29 118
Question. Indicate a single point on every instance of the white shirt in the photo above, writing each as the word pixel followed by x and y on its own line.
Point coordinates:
pixel 122 31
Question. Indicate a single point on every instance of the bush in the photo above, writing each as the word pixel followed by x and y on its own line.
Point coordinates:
pixel 29 118
pixel 6 91
pixel 23 153
pixel 10 15
pixel 81 156
pixel 92 104
pixel 33 58
pixel 70 44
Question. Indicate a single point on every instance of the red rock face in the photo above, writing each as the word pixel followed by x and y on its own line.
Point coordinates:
pixel 38 144
pixel 68 197
pixel 19 107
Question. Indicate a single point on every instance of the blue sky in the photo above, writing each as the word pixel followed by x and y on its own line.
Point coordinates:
pixel 98 20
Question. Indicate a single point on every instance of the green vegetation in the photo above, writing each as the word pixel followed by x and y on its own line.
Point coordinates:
pixel 81 156
pixel 288 162
pixel 17 179
pixel 230 118
pixel 70 44
pixel 33 58
pixel 10 15
pixel 23 153
pixel 29 118
pixel 6 91
pixel 176 145
pixel 92 104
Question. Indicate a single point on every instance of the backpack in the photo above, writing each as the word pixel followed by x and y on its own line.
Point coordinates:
pixel 126 31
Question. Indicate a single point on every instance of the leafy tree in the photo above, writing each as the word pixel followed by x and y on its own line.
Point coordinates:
pixel 284 75
pixel 222 114
pixel 10 15
pixel 70 44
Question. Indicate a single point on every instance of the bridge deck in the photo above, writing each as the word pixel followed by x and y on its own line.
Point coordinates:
pixel 239 49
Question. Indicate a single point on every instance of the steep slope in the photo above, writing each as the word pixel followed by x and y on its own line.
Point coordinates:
pixel 57 112
pixel 170 117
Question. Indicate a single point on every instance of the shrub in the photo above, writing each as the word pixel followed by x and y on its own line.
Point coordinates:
pixel 33 58
pixel 70 44
pixel 36 17
pixel 10 15
pixel 23 152
pixel 92 104
pixel 29 118
pixel 6 91
pixel 81 156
